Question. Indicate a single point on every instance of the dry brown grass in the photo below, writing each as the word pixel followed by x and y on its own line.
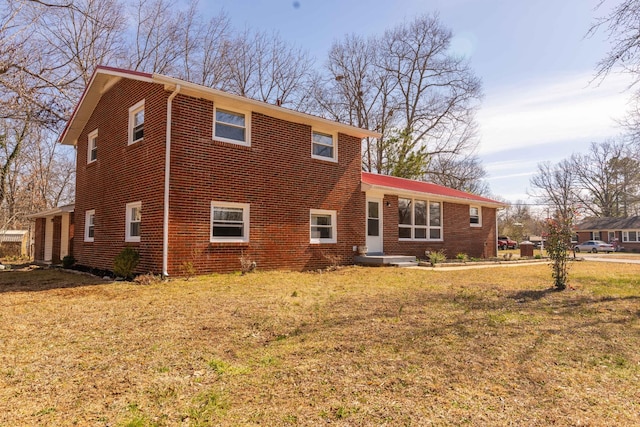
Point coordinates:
pixel 357 346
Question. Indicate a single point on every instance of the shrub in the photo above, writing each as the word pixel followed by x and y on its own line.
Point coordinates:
pixel 246 264
pixel 188 269
pixel 126 262
pixel 462 257
pixel 68 261
pixel 436 257
pixel 147 279
pixel 559 233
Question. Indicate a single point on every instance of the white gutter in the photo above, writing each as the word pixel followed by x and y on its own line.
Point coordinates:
pixel 167 176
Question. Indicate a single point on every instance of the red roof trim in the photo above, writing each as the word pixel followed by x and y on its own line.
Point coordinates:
pixel 122 70
pixel 402 184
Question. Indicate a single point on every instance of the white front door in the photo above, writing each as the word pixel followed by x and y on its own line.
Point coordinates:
pixel 374 226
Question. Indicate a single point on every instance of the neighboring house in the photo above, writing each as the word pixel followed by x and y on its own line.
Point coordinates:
pixel 190 174
pixel 53 234
pixel 624 233
pixel 14 243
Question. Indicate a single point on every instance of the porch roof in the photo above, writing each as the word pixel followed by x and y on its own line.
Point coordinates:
pixel 52 212
pixel 402 186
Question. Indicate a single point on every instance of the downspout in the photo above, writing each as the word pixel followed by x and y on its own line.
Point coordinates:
pixel 167 176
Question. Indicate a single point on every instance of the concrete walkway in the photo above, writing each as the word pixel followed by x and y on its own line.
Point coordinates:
pixel 515 263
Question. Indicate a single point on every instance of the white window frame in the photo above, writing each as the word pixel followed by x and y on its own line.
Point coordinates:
pixel 428 225
pixel 88 224
pixel 132 114
pixel 92 146
pixel 246 216
pixel 595 235
pixel 334 139
pixel 333 226
pixel 129 220
pixel 479 209
pixel 625 236
pixel 247 126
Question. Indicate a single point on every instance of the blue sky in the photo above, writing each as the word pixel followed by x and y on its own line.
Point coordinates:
pixel 533 57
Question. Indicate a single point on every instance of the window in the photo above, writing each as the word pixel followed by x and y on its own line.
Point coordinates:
pixel 231 126
pixel 229 222
pixel 323 146
pixel 323 226
pixel 475 219
pixel 134 220
pixel 136 122
pixel 89 225
pixel 595 235
pixel 419 220
pixel 631 236
pixel 92 146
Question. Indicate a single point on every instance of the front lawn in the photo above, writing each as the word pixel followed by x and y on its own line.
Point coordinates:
pixel 358 346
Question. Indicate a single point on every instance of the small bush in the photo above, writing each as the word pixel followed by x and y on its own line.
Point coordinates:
pixel 246 264
pixel 126 262
pixel 68 261
pixel 462 257
pixel 147 279
pixel 436 257
pixel 188 269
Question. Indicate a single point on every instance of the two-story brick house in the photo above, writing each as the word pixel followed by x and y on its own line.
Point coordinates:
pixel 186 173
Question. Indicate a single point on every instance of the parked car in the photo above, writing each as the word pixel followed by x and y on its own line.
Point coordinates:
pixel 594 246
pixel 504 242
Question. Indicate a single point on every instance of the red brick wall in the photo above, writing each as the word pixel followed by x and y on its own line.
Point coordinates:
pixel 458 235
pixel 121 174
pixel 276 176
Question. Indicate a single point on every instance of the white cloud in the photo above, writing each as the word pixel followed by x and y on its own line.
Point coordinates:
pixel 544 112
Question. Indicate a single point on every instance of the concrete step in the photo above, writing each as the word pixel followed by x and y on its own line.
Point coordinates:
pixel 403 260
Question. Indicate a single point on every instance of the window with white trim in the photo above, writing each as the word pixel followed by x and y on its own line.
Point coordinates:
pixel 323 226
pixel 133 222
pixel 475 216
pixel 419 219
pixel 323 146
pixel 631 236
pixel 136 123
pixel 229 222
pixel 92 146
pixel 595 235
pixel 89 225
pixel 231 126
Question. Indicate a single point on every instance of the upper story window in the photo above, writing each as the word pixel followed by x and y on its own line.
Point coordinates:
pixel 133 222
pixel 92 146
pixel 89 225
pixel 231 126
pixel 419 219
pixel 136 122
pixel 323 226
pixel 475 219
pixel 323 146
pixel 229 222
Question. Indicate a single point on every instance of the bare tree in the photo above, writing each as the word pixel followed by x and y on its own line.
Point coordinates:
pixel 461 173
pixel 407 85
pixel 263 67
pixel 622 26
pixel 554 186
pixel 604 175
